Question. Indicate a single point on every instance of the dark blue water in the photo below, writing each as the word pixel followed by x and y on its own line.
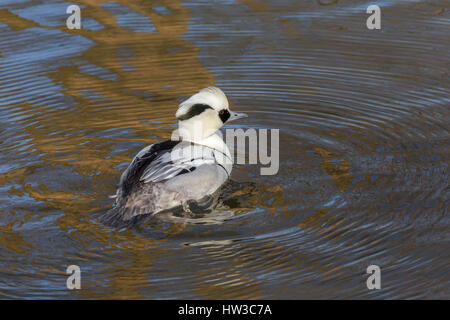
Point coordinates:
pixel 364 147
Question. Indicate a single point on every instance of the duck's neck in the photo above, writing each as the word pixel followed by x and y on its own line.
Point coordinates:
pixel 212 140
pixel 220 149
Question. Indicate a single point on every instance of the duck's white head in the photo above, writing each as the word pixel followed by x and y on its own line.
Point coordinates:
pixel 204 113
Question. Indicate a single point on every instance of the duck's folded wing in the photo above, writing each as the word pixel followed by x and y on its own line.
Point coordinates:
pixel 163 161
pixel 182 159
pixel 132 175
pixel 155 163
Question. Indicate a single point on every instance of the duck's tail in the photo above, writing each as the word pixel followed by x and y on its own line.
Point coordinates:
pixel 116 217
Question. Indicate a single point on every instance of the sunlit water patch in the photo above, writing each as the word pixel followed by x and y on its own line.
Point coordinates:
pixel 364 147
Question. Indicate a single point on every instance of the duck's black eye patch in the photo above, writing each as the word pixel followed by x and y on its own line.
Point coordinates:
pixel 224 115
pixel 195 110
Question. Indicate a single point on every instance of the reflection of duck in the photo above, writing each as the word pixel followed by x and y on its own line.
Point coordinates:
pixel 170 173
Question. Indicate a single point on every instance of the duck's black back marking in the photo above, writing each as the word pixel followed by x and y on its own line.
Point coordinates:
pixel 195 110
pixel 139 164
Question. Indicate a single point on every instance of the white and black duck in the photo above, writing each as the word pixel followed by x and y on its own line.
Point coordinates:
pixel 189 167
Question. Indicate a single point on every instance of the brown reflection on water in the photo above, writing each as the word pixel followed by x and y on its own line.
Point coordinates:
pixel 229 280
pixel 339 172
pixel 14 21
pixel 313 221
pixel 13 240
pixel 165 67
pixel 363 158
pixel 160 66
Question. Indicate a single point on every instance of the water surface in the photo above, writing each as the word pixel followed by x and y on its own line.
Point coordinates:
pixel 364 147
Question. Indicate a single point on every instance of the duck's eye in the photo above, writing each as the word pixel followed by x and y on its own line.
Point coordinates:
pixel 224 115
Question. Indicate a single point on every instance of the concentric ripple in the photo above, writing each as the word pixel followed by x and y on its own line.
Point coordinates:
pixel 364 148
